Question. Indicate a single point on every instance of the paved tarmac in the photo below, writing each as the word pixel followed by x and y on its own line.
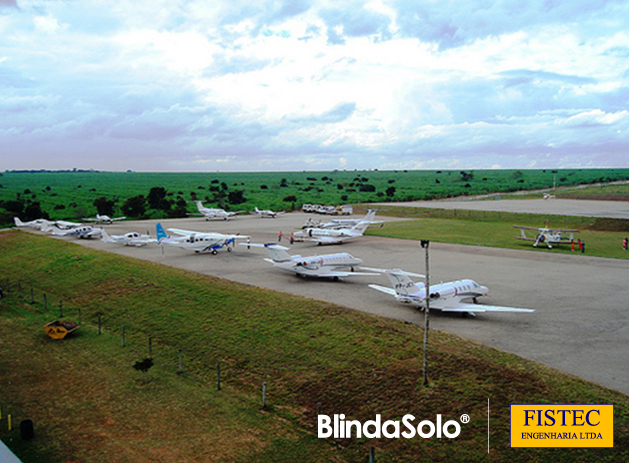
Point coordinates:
pixel 580 325
pixel 586 208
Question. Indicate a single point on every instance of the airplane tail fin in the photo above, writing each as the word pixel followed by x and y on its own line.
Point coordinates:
pixel 104 236
pixel 370 216
pixel 161 234
pixel 18 222
pixel 402 283
pixel 360 227
pixel 278 253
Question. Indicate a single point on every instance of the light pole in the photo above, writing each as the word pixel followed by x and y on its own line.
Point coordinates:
pixel 424 244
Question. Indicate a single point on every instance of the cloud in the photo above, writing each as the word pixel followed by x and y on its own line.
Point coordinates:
pixel 174 84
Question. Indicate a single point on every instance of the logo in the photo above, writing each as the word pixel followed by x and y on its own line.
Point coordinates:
pixel 338 427
pixel 562 425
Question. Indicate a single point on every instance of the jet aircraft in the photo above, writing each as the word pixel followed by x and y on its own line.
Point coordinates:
pixel 103 219
pixel 266 213
pixel 196 241
pixel 337 224
pixel 326 266
pixel 549 236
pixel 128 239
pixel 214 213
pixel 446 297
pixel 323 236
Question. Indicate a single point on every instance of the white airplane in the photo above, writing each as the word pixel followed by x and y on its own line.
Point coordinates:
pixel 103 219
pixel 43 224
pixel 266 213
pixel 326 266
pixel 323 236
pixel 549 236
pixel 446 297
pixel 83 232
pixel 196 241
pixel 128 239
pixel 214 213
pixel 37 224
pixel 337 224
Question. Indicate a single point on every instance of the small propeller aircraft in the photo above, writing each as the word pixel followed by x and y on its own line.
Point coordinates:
pixel 43 224
pixel 337 224
pixel 83 232
pixel 196 241
pixel 323 236
pixel 128 239
pixel 103 219
pixel 214 213
pixel 446 297
pixel 326 266
pixel 548 236
pixel 266 213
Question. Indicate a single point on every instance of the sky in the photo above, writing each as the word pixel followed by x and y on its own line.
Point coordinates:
pixel 280 85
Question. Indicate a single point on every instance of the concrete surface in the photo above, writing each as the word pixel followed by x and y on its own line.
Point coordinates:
pixel 580 325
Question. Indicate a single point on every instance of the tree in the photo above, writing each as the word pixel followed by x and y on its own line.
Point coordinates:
pixel 390 191
pixel 134 206
pixel 236 197
pixel 157 198
pixel 104 206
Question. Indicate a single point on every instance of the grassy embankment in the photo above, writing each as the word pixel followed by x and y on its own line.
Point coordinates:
pixel 603 237
pixel 89 404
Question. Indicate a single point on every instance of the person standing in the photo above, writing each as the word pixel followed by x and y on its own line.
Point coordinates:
pixel 279 236
pixel 624 244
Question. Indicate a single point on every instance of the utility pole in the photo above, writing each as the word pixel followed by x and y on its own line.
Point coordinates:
pixel 424 244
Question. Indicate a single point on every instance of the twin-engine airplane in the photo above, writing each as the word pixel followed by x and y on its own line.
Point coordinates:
pixel 128 239
pixel 214 213
pixel 83 232
pixel 447 297
pixel 326 266
pixel 266 213
pixel 548 236
pixel 103 219
pixel 323 236
pixel 196 241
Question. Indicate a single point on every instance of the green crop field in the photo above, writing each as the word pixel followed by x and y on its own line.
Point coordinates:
pixel 603 237
pixel 74 195
pixel 88 403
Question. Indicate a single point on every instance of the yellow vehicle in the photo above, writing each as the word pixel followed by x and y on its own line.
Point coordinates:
pixel 60 329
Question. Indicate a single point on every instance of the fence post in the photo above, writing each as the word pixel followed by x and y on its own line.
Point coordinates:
pixel 60 309
pixel 218 376
pixel 264 395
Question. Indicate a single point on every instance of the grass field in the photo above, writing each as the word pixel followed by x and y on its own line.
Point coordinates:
pixel 72 195
pixel 603 237
pixel 89 404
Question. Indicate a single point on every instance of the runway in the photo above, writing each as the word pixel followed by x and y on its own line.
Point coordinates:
pixel 580 325
pixel 584 208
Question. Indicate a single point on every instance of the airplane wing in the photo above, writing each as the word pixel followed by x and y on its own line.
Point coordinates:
pixel 180 232
pixel 343 274
pixel 118 218
pixel 454 306
pixel 383 270
pixel 384 289
pixel 89 219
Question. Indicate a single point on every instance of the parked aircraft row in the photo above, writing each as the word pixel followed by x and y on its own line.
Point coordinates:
pixel 456 296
